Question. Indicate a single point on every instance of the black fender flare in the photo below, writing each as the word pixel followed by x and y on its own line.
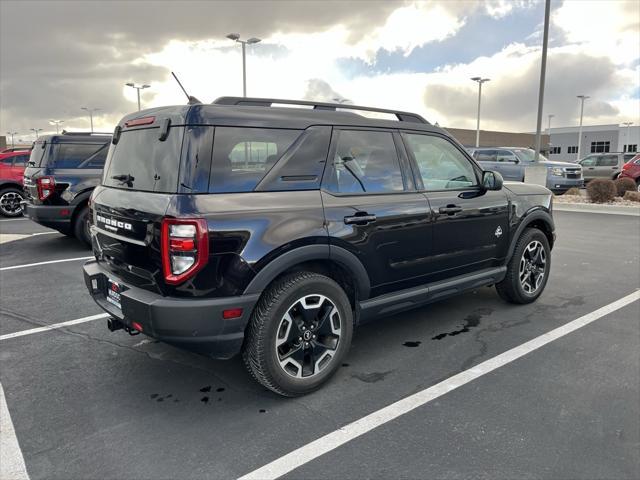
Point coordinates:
pixel 9 183
pixel 307 253
pixel 527 220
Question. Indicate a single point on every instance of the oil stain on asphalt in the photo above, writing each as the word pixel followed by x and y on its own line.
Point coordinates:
pixel 470 321
pixel 412 344
pixel 371 377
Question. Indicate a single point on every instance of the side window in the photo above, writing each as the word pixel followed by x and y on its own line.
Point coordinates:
pixel 7 161
pixel 485 156
pixel 97 159
pixel 366 162
pixel 588 161
pixel 21 160
pixel 506 156
pixel 442 166
pixel 608 161
pixel 72 155
pixel 242 156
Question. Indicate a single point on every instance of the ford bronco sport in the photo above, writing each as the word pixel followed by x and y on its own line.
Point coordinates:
pixel 61 173
pixel 250 226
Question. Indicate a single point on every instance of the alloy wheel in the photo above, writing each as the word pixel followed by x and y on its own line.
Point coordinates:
pixel 308 336
pixel 533 267
pixel 10 203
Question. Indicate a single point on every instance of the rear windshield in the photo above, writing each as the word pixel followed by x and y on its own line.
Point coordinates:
pixel 37 153
pixel 140 161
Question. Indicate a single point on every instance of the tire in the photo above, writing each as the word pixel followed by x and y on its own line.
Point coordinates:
pixel 81 226
pixel 278 318
pixel 512 288
pixel 10 198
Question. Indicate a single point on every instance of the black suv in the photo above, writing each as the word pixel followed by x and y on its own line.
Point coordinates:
pixel 270 230
pixel 61 173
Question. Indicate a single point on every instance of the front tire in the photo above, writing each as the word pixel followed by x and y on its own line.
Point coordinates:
pixel 528 269
pixel 10 199
pixel 298 334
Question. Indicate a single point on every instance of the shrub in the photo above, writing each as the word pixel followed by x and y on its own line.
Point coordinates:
pixel 601 190
pixel 572 191
pixel 632 196
pixel 623 185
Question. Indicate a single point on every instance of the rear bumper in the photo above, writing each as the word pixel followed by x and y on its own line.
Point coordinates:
pixel 561 184
pixel 191 323
pixel 57 216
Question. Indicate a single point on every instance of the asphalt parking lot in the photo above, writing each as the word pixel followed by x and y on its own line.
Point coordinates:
pixel 86 403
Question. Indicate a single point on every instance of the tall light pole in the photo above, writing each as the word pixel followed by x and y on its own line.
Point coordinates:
pixel 582 99
pixel 57 124
pixel 36 130
pixel 236 38
pixel 628 124
pixel 12 134
pixel 138 88
pixel 543 71
pixel 480 81
pixel 551 115
pixel 90 110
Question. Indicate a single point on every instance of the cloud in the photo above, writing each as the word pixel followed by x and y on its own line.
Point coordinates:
pixel 320 91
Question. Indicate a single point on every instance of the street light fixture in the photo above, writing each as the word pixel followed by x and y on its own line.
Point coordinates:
pixel 90 110
pixel 480 81
pixel 57 124
pixel 582 99
pixel 628 124
pixel 138 88
pixel 12 134
pixel 36 130
pixel 253 40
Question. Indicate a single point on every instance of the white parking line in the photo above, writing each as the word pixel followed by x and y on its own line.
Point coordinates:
pixel 335 439
pixel 11 461
pixel 53 326
pixel 14 220
pixel 14 267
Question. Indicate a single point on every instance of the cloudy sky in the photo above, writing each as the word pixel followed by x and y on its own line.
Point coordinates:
pixel 58 56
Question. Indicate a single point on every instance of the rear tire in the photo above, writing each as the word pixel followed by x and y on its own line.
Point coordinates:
pixel 298 334
pixel 528 269
pixel 10 198
pixel 81 226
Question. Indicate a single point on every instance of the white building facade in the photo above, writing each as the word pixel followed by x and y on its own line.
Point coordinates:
pixel 595 139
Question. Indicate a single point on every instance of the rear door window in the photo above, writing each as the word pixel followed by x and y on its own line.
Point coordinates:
pixel 365 162
pixel 73 155
pixel 243 156
pixel 485 155
pixel 140 161
pixel 608 161
pixel 21 160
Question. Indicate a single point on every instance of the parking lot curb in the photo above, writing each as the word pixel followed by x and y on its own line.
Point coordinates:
pixel 595 208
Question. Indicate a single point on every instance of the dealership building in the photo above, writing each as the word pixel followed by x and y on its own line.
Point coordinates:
pixel 563 141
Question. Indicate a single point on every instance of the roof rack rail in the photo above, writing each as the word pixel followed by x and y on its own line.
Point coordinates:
pixel 268 102
pixel 64 132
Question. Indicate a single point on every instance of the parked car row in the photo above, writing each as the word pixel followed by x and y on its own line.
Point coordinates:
pixel 512 163
pixel 59 177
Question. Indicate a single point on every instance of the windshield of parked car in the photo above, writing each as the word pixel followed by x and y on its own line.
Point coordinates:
pixel 528 155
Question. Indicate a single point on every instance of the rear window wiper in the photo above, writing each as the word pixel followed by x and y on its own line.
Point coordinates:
pixel 126 178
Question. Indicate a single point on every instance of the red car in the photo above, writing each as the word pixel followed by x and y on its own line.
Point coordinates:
pixel 12 167
pixel 631 170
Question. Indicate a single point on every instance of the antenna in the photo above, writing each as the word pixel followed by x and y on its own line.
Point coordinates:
pixel 191 100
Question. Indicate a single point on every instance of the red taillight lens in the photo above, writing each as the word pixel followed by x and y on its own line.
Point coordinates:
pixel 45 186
pixel 184 248
pixel 232 313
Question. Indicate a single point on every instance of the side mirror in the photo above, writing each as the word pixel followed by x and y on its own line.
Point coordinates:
pixel 492 180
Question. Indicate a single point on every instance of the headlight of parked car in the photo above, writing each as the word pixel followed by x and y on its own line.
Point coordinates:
pixel 557 172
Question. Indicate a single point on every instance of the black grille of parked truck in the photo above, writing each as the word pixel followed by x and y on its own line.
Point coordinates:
pixel 251 226
pixel 61 173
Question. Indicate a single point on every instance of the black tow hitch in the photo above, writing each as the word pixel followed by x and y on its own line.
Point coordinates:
pixel 113 324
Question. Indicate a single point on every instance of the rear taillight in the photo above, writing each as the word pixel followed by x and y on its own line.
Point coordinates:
pixel 184 248
pixel 45 186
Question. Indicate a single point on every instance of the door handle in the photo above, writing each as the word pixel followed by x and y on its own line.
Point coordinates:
pixel 450 210
pixel 360 218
